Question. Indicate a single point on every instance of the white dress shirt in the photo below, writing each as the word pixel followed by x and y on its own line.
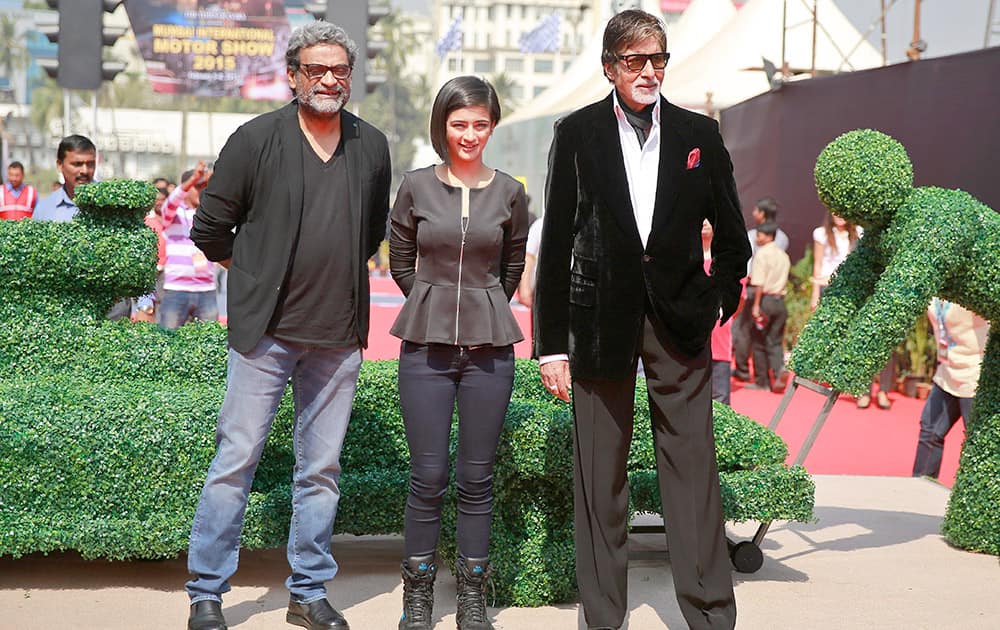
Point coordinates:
pixel 642 166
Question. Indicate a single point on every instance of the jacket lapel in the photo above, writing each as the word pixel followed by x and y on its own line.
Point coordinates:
pixel 291 164
pixel 350 136
pixel 606 154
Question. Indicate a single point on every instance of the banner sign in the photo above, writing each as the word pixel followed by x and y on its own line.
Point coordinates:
pixel 214 47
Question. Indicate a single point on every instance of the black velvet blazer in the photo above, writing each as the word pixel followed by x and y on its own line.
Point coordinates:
pixel 594 277
pixel 257 189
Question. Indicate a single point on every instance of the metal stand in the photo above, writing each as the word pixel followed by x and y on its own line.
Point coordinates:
pixel 746 556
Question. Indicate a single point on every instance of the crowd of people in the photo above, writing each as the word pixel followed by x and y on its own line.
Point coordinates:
pixel 615 273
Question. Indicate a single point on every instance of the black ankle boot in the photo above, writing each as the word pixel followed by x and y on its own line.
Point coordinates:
pixel 418 592
pixel 472 576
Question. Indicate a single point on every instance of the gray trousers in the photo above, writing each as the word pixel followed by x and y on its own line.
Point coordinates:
pixel 680 402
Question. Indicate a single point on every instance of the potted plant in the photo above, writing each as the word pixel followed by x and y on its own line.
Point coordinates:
pixel 918 358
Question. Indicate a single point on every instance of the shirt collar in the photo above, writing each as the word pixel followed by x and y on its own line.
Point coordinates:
pixel 620 113
pixel 16 191
pixel 65 198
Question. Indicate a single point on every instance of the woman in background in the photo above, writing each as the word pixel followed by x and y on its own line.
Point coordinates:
pixel 832 242
pixel 456 249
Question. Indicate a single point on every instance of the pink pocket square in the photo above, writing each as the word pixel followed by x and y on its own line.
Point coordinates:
pixel 694 158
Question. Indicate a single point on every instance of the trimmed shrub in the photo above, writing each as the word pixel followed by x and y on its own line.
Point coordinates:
pixel 918 243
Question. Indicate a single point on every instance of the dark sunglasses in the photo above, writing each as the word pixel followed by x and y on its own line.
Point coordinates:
pixel 316 71
pixel 637 62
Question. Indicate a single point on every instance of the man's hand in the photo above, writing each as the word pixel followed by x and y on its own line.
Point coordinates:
pixel 199 177
pixel 556 378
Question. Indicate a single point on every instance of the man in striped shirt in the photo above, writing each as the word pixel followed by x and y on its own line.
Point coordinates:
pixel 188 276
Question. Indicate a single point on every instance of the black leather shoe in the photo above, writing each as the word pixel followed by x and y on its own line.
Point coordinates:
pixel 317 615
pixel 206 615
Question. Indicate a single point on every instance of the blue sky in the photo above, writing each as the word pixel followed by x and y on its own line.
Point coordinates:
pixel 948 26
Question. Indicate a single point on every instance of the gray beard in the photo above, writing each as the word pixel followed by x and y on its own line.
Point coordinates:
pixel 644 98
pixel 325 106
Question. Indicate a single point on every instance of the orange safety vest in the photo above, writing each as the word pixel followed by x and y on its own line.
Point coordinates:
pixel 20 206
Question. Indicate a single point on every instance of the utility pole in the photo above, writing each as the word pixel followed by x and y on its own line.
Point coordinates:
pixel 884 49
pixel 815 24
pixel 784 31
pixel 991 24
pixel 917 46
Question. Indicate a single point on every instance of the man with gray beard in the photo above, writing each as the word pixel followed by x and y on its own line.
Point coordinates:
pixel 306 188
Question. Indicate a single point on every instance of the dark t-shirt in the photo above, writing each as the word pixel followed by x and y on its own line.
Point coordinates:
pixel 317 302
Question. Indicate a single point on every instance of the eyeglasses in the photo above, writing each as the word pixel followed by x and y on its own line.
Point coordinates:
pixel 316 71
pixel 635 63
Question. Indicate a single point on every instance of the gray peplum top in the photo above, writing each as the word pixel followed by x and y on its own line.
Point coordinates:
pixel 458 282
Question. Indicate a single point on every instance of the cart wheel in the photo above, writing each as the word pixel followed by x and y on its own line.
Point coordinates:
pixel 746 557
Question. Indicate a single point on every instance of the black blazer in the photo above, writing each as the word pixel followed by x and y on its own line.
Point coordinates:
pixel 257 189
pixel 594 310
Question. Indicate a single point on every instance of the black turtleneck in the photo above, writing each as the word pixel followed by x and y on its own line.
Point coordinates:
pixel 641 121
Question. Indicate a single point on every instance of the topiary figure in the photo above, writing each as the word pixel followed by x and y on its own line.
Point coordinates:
pixel 81 267
pixel 918 243
pixel 101 422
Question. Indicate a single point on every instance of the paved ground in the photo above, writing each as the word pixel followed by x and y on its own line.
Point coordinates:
pixel 873 560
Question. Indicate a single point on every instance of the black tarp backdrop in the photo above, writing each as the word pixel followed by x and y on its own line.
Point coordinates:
pixel 945 111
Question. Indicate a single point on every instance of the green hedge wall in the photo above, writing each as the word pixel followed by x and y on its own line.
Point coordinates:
pixel 918 243
pixel 107 428
pixel 114 470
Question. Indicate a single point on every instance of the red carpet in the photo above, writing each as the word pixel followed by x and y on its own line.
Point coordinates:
pixel 853 441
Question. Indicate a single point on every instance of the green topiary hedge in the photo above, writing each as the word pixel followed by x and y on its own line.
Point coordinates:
pixel 107 428
pixel 918 243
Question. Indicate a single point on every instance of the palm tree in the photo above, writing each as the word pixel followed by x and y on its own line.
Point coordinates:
pixel 401 105
pixel 46 104
pixel 397 33
pixel 504 86
pixel 13 52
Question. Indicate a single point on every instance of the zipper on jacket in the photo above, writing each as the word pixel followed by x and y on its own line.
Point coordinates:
pixel 461 256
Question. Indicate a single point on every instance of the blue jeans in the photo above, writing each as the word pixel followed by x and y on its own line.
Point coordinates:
pixel 721 373
pixel 323 383
pixel 176 307
pixel 941 411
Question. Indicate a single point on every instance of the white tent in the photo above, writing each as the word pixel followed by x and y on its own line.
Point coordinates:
pixel 729 67
pixel 698 25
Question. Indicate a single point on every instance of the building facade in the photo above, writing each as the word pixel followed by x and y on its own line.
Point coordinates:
pixel 491 40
